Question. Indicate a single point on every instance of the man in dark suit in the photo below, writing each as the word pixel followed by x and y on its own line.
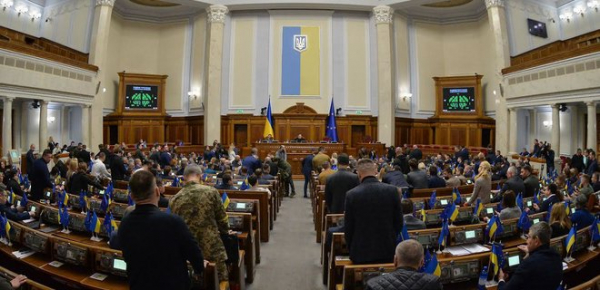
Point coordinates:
pixel 395 177
pixel 401 160
pixel 251 161
pixel 541 269
pixel 417 178
pixel 415 153
pixel 592 164
pixel 464 153
pixel 117 168
pixel 165 157
pixel 434 180
pixel 577 160
pixel 532 184
pixel 373 217
pixel 514 183
pixel 84 155
pixel 30 158
pixel 40 176
pixel 411 222
pixel 338 184
pixel 307 170
pixel 147 229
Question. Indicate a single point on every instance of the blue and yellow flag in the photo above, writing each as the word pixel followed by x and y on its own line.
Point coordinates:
pixel 245 185
pixel 494 227
pixel 570 241
pixel 478 208
pixel 95 224
pixel 11 197
pixel 225 200
pixel 443 234
pixel 568 208
pixel 24 200
pixel 496 257
pixel 423 214
pixel 301 61
pixel 432 200
pixel 269 122
pixel 433 267
pixel 595 229
pixel 453 212
pixel 403 236
pixel 520 200
pixel 456 196
pixel 4 227
pixel 109 223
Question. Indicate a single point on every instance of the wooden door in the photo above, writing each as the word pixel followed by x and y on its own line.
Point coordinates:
pixel 240 135
pixel 358 134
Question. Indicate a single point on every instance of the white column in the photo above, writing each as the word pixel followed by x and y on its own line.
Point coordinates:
pixel 212 104
pixel 512 131
pixel 43 144
pixel 98 56
pixel 592 134
pixel 385 97
pixel 25 142
pixel 500 60
pixel 85 126
pixel 555 130
pixel 64 124
pixel 16 129
pixel 7 125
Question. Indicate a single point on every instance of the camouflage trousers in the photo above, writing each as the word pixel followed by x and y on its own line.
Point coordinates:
pixel 222 271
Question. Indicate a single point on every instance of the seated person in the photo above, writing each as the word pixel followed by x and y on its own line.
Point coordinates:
pixel 559 221
pixel 227 183
pixel 259 173
pixel 553 195
pixel 253 181
pixel 451 180
pixel 81 181
pixel 299 139
pixel 582 217
pixel 15 283
pixel 585 188
pixel 9 211
pixel 12 182
pixel 434 180
pixel 542 267
pixel 167 173
pixel 410 221
pixel 524 152
pixel 416 178
pixel 268 139
pixel 243 173
pixel 395 177
pixel 408 259
pixel 326 172
pixel 266 170
pixel 509 206
pixel 596 181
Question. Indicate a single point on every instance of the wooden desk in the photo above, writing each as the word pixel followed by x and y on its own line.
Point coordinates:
pixel 297 151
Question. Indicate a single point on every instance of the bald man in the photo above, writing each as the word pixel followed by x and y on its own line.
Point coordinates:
pixel 408 260
pixel 373 217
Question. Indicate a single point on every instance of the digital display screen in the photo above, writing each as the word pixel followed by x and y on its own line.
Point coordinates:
pixel 48 194
pixel 489 210
pixel 101 192
pixel 529 203
pixel 444 202
pixel 119 264
pixel 470 234
pixel 240 205
pixel 33 208
pixel 457 272
pixel 535 221
pixel 573 210
pixel 141 97
pixel 424 240
pixel 459 99
pixel 240 182
pixel 514 261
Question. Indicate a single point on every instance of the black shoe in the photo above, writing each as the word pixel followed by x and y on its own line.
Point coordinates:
pixel 305 196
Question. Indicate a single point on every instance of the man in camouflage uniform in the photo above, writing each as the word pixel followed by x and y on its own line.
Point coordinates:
pixel 286 174
pixel 202 210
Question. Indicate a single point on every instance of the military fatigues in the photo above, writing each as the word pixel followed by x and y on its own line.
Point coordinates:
pixel 286 174
pixel 201 208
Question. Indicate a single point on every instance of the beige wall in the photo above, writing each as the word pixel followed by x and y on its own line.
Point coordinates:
pixel 453 50
pixel 357 76
pixel 197 69
pixel 403 85
pixel 140 47
pixel 242 63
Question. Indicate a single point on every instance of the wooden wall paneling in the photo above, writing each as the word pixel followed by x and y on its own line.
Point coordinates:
pixel 474 136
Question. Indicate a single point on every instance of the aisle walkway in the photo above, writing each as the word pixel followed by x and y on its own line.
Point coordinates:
pixel 290 260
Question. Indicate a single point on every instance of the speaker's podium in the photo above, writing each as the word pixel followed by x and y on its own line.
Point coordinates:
pixel 459 116
pixel 140 111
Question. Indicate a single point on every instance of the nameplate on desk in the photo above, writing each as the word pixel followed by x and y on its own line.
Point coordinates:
pixel 56 264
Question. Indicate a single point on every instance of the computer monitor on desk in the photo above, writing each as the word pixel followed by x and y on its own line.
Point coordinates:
pixel 510 229
pixel 69 253
pixel 469 234
pixel 442 202
pixel 459 270
pixel 582 240
pixel 35 241
pixel 427 237
pixel 488 210
pixel 50 216
pixel 111 262
pixel 432 217
pixel 77 223
pixel 536 218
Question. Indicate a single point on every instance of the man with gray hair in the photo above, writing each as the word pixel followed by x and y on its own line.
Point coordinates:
pixel 373 217
pixel 542 266
pixel 514 183
pixel 408 260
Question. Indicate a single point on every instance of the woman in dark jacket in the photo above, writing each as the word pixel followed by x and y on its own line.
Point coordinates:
pixel 80 180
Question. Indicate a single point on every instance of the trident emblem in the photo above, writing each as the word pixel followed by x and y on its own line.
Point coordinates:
pixel 300 43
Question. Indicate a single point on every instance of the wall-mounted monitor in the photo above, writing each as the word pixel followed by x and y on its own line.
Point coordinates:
pixel 144 97
pixel 537 28
pixel 459 99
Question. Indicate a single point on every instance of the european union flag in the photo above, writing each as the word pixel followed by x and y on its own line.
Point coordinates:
pixel 520 200
pixel 104 204
pixel 130 201
pixel 109 223
pixel 524 224
pixel 175 182
pixel 548 212
pixel 570 241
pixel 82 202
pixel 405 193
pixel 269 122
pixel 456 196
pixel 404 234
pixel 331 125
pixel 496 257
pixel 432 200
pixel 426 260
pixel 536 198
pixel 433 267
pixel 24 200
pixel 63 213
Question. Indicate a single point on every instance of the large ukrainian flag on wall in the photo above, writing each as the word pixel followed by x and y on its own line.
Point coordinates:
pixel 301 61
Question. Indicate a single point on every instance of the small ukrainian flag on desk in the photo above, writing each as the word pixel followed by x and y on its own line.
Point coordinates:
pixel 300 61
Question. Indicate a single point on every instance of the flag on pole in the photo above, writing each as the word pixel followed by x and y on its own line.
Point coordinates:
pixel 443 234
pixel 403 236
pixel 570 241
pixel 433 267
pixel 524 223
pixel 595 229
pixel 24 200
pixel 456 196
pixel 268 122
pixel 453 212
pixel 331 128
pixel 496 257
pixel 478 208
pixel 432 200
pixel 245 185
